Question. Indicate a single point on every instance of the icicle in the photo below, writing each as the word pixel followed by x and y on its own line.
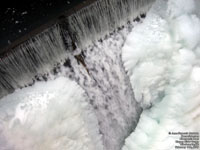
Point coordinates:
pixel 40 53
pixel 36 56
pixel 102 17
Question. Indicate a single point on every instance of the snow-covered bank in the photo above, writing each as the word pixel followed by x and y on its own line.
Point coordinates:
pixel 162 59
pixel 51 115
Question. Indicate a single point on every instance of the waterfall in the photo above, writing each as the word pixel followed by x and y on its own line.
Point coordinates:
pixel 40 53
pixel 99 71
pixel 36 56
pixel 85 47
pixel 102 17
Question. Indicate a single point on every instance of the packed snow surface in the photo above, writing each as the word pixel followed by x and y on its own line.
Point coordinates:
pixel 162 58
pixel 51 115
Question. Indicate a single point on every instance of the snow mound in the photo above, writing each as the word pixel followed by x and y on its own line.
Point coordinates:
pixel 49 115
pixel 161 57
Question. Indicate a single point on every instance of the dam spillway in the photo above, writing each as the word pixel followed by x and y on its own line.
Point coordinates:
pixel 85 48
pixel 82 55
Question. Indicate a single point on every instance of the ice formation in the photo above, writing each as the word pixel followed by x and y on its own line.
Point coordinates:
pixel 51 115
pixel 161 57
pixel 103 78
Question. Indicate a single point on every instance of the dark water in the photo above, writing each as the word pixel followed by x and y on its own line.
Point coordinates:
pixel 17 18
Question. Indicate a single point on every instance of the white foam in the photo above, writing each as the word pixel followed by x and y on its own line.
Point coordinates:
pixel 161 57
pixel 49 115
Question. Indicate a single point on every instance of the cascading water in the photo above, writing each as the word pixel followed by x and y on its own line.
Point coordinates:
pixel 99 71
pixel 36 56
pixel 103 17
pixel 48 48
pixel 70 49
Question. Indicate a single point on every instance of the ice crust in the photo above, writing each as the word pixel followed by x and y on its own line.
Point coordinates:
pixel 162 57
pixel 51 115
